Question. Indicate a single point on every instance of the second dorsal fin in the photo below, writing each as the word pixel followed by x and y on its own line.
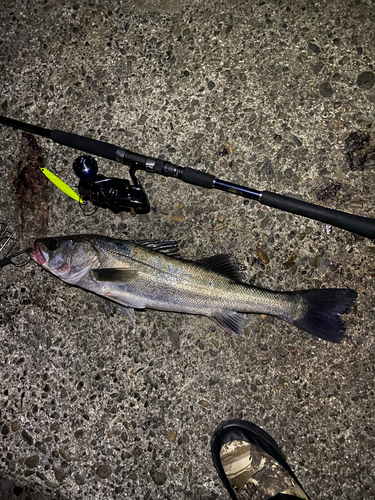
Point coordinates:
pixel 222 264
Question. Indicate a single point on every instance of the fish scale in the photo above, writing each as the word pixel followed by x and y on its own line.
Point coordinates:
pixel 147 274
pixel 190 288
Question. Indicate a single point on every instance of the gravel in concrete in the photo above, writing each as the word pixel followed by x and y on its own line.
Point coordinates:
pixel 267 94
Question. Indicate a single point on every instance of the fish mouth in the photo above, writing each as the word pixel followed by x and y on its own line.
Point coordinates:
pixel 37 254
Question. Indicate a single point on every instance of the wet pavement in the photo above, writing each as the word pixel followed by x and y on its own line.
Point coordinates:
pixel 270 95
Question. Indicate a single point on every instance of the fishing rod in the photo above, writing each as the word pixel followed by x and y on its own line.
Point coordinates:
pixel 119 194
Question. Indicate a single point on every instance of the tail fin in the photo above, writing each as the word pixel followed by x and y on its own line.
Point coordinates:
pixel 323 310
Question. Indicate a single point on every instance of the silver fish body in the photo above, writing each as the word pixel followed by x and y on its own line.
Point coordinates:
pixel 143 275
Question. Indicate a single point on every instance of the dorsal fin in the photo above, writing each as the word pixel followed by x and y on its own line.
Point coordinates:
pixel 168 247
pixel 222 264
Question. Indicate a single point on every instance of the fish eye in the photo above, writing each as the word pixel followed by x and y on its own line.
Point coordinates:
pixel 53 244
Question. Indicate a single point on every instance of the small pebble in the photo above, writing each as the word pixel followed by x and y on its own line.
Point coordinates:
pixel 158 477
pixel 142 119
pixel 32 461
pixel 296 141
pixel 124 437
pixel 66 455
pixel 225 199
pixel 263 256
pixel 204 403
pixel 220 217
pixel 5 430
pixel 178 214
pixel 59 475
pixel 79 480
pixel 366 80
pixel 15 426
pixel 315 261
pixel 26 436
pixel 362 123
pixel 145 425
pixel 172 436
pixel 326 90
pixel 50 484
pixel 315 49
pixel 137 451
pixel 289 259
pixel 267 170
pixel 103 471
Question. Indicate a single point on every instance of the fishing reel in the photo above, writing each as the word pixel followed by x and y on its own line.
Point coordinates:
pixel 110 192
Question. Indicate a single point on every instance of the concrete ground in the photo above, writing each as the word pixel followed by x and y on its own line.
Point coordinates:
pixel 265 94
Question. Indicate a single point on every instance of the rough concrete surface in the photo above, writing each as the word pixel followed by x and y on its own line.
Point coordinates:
pixel 260 93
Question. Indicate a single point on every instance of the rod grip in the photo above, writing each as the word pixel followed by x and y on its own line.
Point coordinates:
pixel 354 223
pixel 192 176
pixel 92 146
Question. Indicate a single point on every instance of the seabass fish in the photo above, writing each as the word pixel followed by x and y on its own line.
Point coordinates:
pixel 144 274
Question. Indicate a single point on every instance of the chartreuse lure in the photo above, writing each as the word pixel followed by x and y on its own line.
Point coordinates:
pixel 61 185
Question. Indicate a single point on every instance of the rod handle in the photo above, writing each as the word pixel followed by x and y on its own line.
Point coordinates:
pixel 356 224
pixel 197 177
pixel 91 146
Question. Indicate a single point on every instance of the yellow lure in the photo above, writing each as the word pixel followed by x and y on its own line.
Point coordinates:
pixel 61 185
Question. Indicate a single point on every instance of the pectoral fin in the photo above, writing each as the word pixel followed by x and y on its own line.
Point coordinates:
pixel 113 275
pixel 233 322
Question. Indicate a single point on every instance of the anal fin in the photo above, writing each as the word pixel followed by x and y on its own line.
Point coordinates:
pixel 232 322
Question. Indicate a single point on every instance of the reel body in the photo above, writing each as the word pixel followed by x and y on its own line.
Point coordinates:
pixel 110 192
